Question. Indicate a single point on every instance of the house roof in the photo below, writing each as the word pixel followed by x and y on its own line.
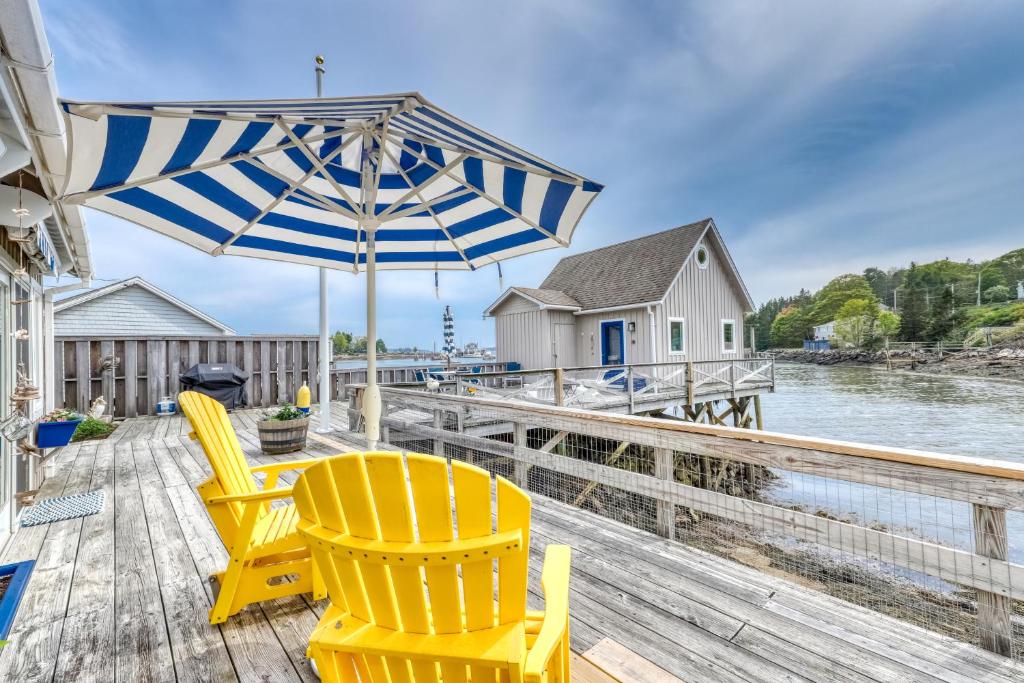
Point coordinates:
pixel 137 281
pixel 639 271
pixel 544 298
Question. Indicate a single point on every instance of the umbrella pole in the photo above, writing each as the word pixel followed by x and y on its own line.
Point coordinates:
pixel 326 348
pixel 371 397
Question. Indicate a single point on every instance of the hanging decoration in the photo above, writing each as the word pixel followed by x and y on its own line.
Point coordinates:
pixel 437 286
pixel 449 332
pixel 501 279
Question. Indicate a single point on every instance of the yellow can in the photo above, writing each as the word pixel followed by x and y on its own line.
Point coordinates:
pixel 302 399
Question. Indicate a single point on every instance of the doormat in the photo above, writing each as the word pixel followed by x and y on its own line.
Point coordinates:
pixel 65 507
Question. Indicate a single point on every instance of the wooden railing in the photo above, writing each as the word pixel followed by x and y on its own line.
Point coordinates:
pixel 133 373
pixel 670 462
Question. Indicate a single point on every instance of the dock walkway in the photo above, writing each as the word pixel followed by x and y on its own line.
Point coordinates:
pixel 123 595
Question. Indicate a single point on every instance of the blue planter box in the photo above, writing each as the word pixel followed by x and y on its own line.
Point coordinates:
pixel 19 573
pixel 55 434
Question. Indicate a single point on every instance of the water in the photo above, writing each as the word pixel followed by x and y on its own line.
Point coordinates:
pixel 957 415
pixel 400 362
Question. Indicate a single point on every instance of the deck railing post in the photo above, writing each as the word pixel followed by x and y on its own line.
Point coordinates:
pixel 385 430
pixel 354 403
pixel 559 386
pixel 689 382
pixel 629 388
pixel 664 468
pixel 994 627
pixel 438 425
pixel 519 471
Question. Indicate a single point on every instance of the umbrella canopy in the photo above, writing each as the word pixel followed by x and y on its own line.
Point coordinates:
pixel 355 183
pixel 449 332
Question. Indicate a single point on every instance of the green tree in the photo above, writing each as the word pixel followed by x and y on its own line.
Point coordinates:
pixel 832 296
pixel 943 316
pixel 997 294
pixel 341 341
pixel 913 309
pixel 381 348
pixel 888 325
pixel 856 321
pixel 790 327
pixel 992 276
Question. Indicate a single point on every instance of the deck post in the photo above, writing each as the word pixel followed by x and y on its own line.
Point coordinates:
pixel 438 425
pixel 994 628
pixel 385 431
pixel 664 468
pixel 519 473
pixel 758 417
pixel 689 382
pixel 629 388
pixel 559 386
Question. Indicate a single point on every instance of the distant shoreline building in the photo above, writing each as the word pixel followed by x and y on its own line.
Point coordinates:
pixel 671 296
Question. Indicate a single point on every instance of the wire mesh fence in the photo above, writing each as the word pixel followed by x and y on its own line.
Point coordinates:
pixel 936 546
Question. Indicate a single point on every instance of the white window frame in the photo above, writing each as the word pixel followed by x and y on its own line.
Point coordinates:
pixel 681 321
pixel 728 321
pixel 707 256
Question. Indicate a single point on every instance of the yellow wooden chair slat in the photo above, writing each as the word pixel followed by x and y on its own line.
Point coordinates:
pixel 263 543
pixel 412 586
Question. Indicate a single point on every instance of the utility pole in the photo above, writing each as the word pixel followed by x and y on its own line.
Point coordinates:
pixel 979 287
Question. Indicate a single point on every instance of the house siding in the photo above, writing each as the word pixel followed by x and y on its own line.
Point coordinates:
pixel 637 343
pixel 132 311
pixel 522 333
pixel 703 297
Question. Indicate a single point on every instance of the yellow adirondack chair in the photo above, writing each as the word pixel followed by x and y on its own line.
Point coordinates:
pixel 262 542
pixel 412 593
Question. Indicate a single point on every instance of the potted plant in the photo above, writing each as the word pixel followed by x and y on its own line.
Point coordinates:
pixel 283 430
pixel 56 428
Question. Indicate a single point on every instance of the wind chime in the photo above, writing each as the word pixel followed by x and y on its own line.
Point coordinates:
pixel 18 427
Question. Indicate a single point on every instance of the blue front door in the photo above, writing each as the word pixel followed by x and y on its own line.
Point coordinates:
pixel 613 348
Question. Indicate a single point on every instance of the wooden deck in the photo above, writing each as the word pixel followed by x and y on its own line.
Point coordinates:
pixel 123 595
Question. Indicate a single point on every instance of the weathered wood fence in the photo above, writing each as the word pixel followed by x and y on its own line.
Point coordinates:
pixel 133 374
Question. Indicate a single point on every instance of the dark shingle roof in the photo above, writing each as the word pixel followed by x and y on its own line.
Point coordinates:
pixel 633 272
pixel 551 297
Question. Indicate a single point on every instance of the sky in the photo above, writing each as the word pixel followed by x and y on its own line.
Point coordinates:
pixel 822 137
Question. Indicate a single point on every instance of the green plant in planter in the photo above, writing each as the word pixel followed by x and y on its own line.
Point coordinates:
pixel 91 428
pixel 285 411
pixel 61 415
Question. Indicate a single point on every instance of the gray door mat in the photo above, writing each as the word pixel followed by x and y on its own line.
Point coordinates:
pixel 65 507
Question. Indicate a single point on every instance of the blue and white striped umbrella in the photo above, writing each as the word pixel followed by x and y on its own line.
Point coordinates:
pixel 449 332
pixel 355 183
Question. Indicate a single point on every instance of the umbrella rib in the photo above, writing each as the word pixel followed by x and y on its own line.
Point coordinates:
pixel 408 135
pixel 82 197
pixel 315 160
pixel 432 213
pixel 246 118
pixel 416 189
pixel 441 199
pixel 483 195
pixel 288 191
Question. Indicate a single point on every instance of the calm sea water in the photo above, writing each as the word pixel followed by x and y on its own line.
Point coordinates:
pixel 957 415
pixel 399 362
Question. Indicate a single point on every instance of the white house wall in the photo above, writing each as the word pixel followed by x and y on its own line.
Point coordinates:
pixel 637 342
pixel 522 334
pixel 132 311
pixel 703 297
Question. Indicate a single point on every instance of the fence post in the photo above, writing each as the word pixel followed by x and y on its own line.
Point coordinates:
pixel 732 377
pixel 994 628
pixel 559 385
pixel 385 430
pixel 438 441
pixel 355 402
pixel 629 388
pixel 664 468
pixel 689 382
pixel 519 471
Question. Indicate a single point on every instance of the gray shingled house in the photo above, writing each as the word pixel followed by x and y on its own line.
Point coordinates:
pixel 674 295
pixel 132 308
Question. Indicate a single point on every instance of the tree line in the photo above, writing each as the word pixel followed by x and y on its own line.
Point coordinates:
pixel 941 300
pixel 344 343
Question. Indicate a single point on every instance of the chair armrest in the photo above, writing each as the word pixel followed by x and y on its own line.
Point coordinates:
pixel 554 581
pixel 284 466
pixel 282 493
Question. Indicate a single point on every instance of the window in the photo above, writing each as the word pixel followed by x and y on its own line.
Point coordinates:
pixel 676 336
pixel 728 336
pixel 702 256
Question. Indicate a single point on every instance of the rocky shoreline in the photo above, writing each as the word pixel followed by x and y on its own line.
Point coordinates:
pixel 1003 360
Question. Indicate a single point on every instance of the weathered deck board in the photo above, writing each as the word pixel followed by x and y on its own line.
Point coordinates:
pixel 124 593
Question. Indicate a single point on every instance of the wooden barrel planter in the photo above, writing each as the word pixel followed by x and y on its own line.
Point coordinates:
pixel 283 436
